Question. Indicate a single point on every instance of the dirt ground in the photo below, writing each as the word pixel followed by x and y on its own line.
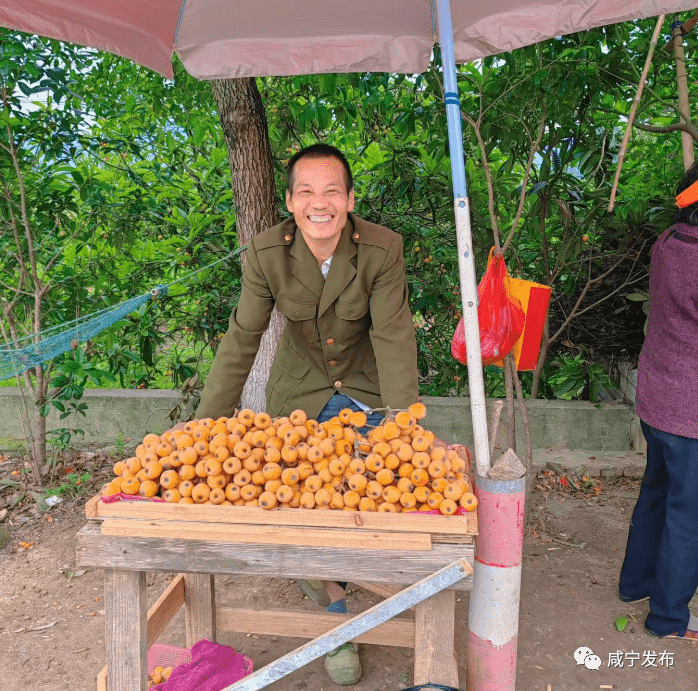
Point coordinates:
pixel 52 614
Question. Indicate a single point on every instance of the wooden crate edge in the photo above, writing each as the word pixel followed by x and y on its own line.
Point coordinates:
pixel 398 523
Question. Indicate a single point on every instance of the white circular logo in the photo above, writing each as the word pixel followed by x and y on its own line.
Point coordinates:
pixel 581 653
pixel 592 662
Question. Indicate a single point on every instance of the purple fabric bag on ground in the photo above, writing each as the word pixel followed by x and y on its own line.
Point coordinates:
pixel 212 668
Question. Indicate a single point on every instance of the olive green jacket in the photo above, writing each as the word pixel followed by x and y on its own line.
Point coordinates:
pixel 352 333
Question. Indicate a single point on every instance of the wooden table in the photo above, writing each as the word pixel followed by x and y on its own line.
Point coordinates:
pixel 380 551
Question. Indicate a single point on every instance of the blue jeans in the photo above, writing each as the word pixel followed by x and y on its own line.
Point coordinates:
pixel 338 402
pixel 661 558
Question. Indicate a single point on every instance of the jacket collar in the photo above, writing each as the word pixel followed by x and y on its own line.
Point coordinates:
pixel 342 269
pixel 307 270
pixel 305 267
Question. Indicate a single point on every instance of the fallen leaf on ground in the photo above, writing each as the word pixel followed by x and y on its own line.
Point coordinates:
pixel 621 623
pixel 69 573
pixel 43 627
pixel 26 545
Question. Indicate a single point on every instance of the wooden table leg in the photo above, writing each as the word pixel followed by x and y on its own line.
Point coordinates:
pixel 434 640
pixel 199 607
pixel 126 630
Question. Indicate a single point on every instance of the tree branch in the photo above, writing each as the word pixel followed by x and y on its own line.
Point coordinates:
pixel 488 176
pixel 522 198
pixel 688 127
pixel 591 281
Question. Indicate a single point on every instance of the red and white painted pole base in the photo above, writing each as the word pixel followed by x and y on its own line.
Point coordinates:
pixel 494 601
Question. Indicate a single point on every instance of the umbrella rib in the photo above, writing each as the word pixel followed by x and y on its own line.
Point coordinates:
pixel 179 22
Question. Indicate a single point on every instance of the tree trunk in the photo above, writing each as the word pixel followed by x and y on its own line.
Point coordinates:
pixel 246 135
pixel 39 441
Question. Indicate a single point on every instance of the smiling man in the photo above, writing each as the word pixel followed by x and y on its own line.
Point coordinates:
pixel 340 281
pixel 349 338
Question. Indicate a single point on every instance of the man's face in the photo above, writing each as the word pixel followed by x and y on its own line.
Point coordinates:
pixel 319 200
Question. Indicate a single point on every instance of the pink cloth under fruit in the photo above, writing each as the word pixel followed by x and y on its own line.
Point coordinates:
pixel 212 668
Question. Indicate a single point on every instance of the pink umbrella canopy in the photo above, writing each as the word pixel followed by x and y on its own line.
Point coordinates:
pixel 217 40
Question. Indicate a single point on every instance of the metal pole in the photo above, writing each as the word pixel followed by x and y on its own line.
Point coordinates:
pixel 493 618
pixel 414 594
pixel 466 259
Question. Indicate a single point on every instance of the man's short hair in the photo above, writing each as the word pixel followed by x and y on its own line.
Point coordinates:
pixel 319 151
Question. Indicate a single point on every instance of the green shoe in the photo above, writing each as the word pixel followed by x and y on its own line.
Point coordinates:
pixel 315 591
pixel 343 665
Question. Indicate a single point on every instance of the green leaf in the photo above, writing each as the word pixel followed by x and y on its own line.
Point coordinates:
pixel 621 623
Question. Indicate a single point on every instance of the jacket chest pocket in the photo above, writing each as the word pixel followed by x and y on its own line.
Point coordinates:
pixel 352 317
pixel 301 315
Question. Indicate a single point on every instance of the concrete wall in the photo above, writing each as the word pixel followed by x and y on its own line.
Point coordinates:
pixel 116 414
pixel 554 424
pixel 111 415
pixel 627 382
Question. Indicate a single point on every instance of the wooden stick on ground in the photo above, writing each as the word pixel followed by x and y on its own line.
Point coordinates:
pixel 633 110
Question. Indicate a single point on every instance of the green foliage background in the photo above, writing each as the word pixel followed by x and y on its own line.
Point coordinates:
pixel 126 185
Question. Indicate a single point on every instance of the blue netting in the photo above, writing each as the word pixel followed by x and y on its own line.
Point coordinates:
pixel 22 354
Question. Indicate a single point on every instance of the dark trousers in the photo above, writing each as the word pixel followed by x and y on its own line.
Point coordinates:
pixel 338 402
pixel 661 559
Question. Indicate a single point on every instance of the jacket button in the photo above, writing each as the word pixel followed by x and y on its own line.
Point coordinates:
pixel 356 236
pixel 288 238
pixel 332 363
pixel 330 341
pixel 337 384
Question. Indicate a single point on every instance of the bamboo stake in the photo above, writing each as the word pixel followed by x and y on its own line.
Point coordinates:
pixel 633 109
pixel 682 83
pixel 494 424
pixel 530 477
pixel 511 404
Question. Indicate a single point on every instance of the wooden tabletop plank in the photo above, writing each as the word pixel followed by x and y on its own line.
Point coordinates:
pixel 354 520
pixel 266 535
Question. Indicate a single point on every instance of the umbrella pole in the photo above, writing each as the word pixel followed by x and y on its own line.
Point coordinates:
pixel 494 602
pixel 466 259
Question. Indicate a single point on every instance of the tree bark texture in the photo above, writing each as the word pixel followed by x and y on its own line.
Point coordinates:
pixel 246 135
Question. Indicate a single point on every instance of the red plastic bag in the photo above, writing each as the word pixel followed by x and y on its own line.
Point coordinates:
pixel 499 313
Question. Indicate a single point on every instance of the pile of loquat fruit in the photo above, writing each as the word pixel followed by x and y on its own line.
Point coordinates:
pixel 159 675
pixel 295 462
